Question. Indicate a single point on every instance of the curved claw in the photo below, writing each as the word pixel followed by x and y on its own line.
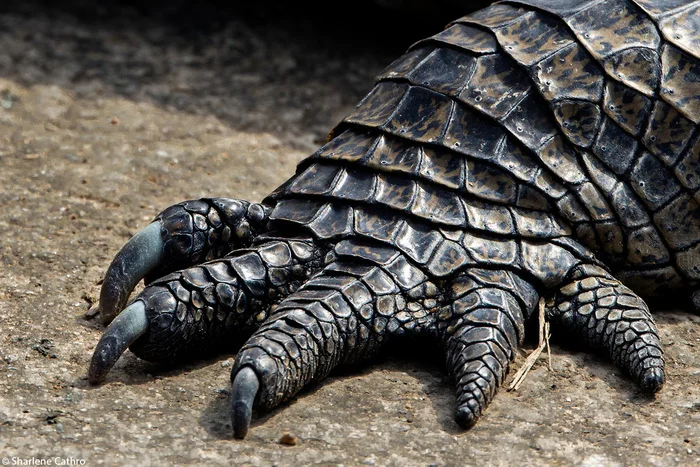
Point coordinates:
pixel 652 380
pixel 134 261
pixel 244 389
pixel 128 326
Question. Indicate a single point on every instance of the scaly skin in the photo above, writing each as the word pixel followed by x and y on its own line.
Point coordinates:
pixel 530 150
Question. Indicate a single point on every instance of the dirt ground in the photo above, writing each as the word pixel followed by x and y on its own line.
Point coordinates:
pixel 110 114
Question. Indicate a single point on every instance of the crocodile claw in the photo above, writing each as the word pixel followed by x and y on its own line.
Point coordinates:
pixel 243 392
pixel 128 326
pixel 652 380
pixel 141 255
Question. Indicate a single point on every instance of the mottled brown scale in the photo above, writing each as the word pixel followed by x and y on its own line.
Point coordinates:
pixel 530 122
pixel 495 87
pixel 334 221
pixel 653 181
pixel 631 210
pixel 561 159
pixel 615 147
pixel 572 209
pixel 379 105
pixel 549 184
pixel 681 29
pixel 376 226
pixel 679 234
pixel 636 67
pixel 443 167
pixel 417 241
pixel 404 64
pixel 489 217
pixel 646 248
pixel 443 70
pixel 597 172
pixel 628 108
pixel 465 126
pixel 660 8
pixel 532 149
pixel 532 37
pixel 488 182
pixel 317 180
pixel 349 146
pixel 438 206
pixel 354 185
pixel 688 168
pixel 421 115
pixel 530 198
pixel 570 72
pixel 610 26
pixel 488 251
pixel 668 133
pixel 465 37
pixel 579 120
pixel 680 81
pixel 395 192
pixel 494 16
pixel 393 155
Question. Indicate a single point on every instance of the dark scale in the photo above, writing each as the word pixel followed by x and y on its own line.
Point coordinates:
pixel 532 150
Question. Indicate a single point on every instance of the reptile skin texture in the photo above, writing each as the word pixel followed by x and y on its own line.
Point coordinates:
pixel 533 150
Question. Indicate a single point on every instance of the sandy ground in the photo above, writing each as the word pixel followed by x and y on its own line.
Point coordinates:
pixel 109 116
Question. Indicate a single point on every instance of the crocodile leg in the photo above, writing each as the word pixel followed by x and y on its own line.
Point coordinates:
pixel 182 235
pixel 481 329
pixel 597 308
pixel 463 186
pixel 206 308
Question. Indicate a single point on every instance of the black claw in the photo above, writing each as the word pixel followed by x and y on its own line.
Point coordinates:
pixel 244 389
pixel 467 416
pixel 652 380
pixel 133 262
pixel 128 326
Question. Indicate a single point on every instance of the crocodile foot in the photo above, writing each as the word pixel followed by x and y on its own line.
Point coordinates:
pixel 302 307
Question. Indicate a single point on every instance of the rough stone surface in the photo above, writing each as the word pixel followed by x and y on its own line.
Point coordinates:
pixel 108 117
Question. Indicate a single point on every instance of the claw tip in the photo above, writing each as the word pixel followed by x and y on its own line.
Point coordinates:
pixel 129 325
pixel 652 380
pixel 244 389
pixel 465 417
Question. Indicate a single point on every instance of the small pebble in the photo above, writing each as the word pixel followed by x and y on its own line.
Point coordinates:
pixel 289 439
